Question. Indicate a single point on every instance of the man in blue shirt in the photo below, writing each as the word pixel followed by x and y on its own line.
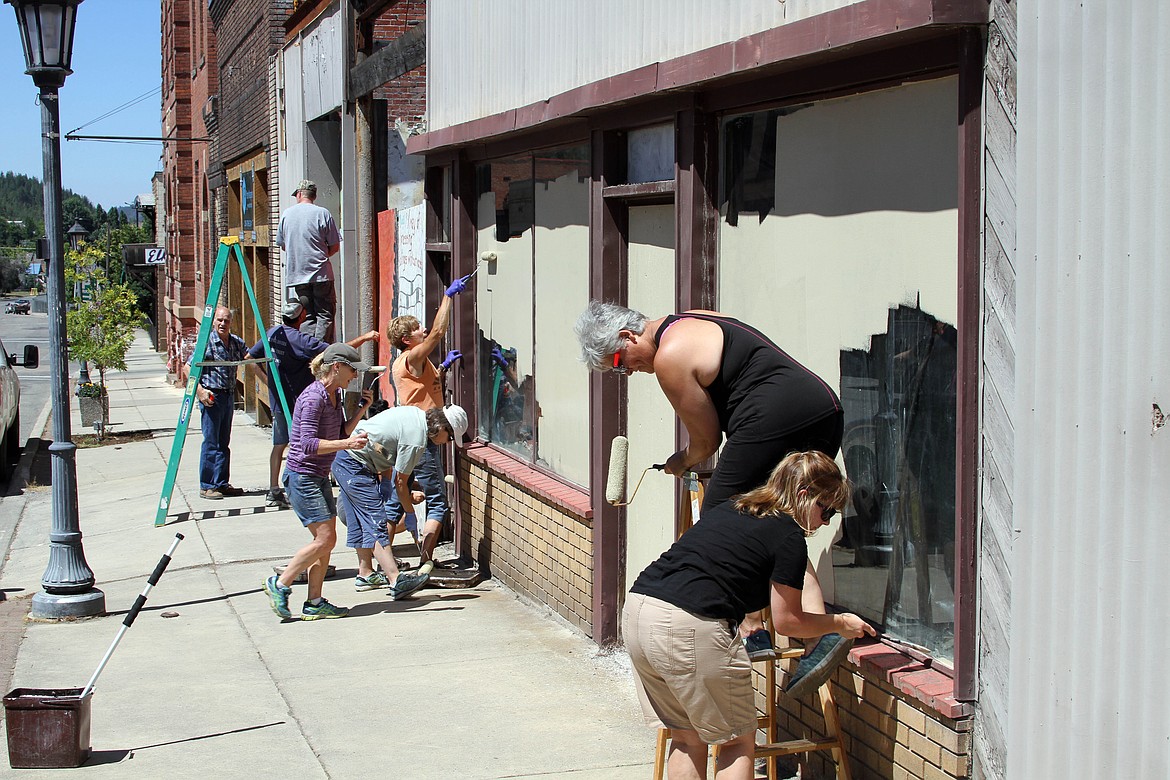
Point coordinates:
pixel 216 395
pixel 293 350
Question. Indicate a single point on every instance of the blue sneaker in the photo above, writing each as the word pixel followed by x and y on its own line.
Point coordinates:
pixel 376 580
pixel 322 611
pixel 759 645
pixel 815 668
pixel 407 584
pixel 278 596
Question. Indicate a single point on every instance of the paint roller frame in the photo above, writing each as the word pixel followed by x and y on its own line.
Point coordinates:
pixel 616 477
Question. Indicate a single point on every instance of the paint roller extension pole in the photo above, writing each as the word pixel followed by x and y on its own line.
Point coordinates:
pixel 133 613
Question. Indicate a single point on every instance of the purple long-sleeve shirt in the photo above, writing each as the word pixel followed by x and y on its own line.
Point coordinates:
pixel 314 419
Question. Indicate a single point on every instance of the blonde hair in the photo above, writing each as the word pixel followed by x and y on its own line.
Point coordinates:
pixel 400 329
pixel 814 472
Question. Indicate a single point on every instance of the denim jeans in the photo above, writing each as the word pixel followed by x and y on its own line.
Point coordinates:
pixel 365 511
pixel 215 459
pixel 320 302
pixel 429 473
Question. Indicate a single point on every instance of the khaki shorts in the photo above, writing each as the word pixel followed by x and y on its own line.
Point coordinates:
pixel 692 672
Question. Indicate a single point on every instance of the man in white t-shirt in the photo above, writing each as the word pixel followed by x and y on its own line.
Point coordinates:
pixel 309 237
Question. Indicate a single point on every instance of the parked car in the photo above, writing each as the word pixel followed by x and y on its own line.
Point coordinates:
pixel 10 442
pixel 19 306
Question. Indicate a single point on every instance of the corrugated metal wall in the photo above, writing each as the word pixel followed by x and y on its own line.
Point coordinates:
pixel 1089 689
pixel 483 58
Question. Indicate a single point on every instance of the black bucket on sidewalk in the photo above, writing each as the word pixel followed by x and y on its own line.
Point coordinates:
pixel 47 727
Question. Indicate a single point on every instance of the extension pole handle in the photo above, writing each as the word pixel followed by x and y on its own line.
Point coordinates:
pixel 133 613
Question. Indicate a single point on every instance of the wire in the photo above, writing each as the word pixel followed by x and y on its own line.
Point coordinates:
pixel 123 107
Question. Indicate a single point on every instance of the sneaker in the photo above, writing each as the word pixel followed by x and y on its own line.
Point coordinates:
pixel 210 494
pixel 228 490
pixel 816 667
pixel 759 645
pixel 277 498
pixel 322 611
pixel 278 594
pixel 407 584
pixel 376 580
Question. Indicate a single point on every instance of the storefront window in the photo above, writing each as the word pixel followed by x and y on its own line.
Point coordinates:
pixel 838 240
pixel 533 216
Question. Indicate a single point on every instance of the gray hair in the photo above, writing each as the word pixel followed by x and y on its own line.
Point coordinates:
pixel 597 331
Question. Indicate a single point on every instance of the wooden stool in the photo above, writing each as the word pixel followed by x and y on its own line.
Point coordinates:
pixel 773 749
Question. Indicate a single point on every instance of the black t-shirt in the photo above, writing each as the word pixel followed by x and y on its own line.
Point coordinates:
pixel 761 391
pixel 724 566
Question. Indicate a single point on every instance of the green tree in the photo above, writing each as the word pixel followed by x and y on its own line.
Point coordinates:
pixel 103 314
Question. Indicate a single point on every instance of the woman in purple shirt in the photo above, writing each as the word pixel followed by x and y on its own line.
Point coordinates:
pixel 319 431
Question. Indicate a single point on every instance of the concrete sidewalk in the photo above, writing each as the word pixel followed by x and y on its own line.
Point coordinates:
pixel 447 684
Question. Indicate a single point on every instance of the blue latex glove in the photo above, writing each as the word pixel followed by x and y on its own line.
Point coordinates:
pixel 457 286
pixel 452 356
pixel 498 356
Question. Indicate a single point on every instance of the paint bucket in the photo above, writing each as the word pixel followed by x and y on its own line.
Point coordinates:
pixel 47 727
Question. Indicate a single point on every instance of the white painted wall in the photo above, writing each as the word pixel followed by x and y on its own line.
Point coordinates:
pixel 484 58
pixel 865 219
pixel 651 420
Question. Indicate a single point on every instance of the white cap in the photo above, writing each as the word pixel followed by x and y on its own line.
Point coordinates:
pixel 458 419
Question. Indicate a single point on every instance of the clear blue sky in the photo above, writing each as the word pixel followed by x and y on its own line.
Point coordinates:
pixel 116 58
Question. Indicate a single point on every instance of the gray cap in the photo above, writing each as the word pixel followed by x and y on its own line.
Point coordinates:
pixel 292 310
pixel 308 186
pixel 343 353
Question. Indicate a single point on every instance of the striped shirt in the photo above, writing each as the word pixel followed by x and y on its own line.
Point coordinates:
pixel 314 419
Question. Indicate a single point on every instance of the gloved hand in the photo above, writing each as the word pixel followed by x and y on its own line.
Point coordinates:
pixel 457 286
pixel 452 356
pixel 498 356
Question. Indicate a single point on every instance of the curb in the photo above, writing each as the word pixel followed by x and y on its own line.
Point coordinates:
pixel 12 508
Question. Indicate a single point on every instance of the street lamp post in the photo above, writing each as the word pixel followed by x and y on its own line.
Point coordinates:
pixel 77 234
pixel 46 32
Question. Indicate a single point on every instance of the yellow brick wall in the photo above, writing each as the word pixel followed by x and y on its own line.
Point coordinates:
pixel 527 543
pixel 887 734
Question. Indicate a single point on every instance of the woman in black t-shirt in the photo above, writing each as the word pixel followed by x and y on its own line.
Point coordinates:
pixel 679 621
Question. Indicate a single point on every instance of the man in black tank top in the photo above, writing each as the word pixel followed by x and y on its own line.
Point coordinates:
pixel 723 376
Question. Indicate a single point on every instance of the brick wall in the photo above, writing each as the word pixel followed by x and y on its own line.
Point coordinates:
pixel 249 33
pixel 405 96
pixel 525 540
pixel 895 726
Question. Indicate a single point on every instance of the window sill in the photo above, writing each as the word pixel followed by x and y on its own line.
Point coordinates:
pixel 910 676
pixel 566 498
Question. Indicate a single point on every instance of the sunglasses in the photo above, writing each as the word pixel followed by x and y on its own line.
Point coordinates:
pixel 827 512
pixel 619 368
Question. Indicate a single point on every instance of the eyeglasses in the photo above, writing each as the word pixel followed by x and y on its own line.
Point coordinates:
pixel 827 512
pixel 619 367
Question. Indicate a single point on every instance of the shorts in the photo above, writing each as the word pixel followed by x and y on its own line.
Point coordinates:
pixel 692 672
pixel 365 511
pixel 311 497
pixel 279 427
pixel 745 465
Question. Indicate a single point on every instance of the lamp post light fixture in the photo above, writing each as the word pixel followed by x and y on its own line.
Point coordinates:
pixel 77 234
pixel 46 32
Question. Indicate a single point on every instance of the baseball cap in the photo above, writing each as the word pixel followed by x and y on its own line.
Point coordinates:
pixel 307 185
pixel 458 419
pixel 292 310
pixel 344 353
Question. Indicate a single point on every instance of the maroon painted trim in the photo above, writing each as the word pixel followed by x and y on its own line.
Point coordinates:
pixel 842 32
pixel 967 411
pixel 607 282
pixel 463 244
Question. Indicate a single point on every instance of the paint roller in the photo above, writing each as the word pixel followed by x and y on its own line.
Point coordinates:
pixel 615 483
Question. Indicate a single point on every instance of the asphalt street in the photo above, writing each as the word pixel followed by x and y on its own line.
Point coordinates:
pixel 17 330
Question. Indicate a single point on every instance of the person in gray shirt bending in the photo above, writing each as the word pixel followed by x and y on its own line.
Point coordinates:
pixel 308 235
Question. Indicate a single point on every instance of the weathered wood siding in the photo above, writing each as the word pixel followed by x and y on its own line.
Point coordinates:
pixel 483 58
pixel 998 390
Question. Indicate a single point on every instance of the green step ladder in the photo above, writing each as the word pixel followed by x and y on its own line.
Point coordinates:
pixel 229 247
